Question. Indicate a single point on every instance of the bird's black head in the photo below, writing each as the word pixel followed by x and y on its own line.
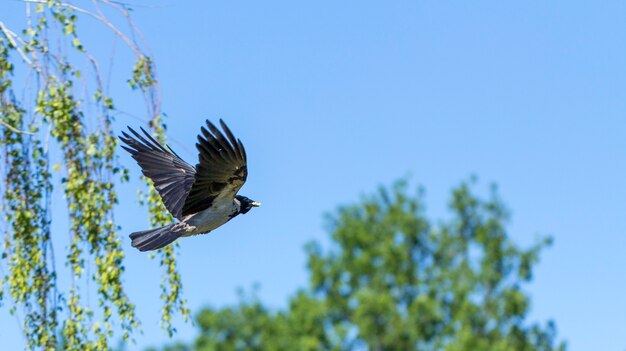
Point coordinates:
pixel 246 204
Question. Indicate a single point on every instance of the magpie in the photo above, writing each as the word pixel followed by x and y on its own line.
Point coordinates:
pixel 201 198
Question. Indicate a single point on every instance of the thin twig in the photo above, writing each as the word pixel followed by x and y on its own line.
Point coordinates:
pixel 110 70
pixel 99 17
pixel 14 129
pixel 152 93
pixel 129 4
pixel 12 37
pixel 123 9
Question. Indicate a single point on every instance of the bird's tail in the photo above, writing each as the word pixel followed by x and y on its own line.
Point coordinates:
pixel 154 239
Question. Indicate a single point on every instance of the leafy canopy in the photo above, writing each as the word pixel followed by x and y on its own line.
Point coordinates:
pixel 394 280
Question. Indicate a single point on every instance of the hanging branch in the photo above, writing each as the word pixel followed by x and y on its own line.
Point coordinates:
pixel 90 169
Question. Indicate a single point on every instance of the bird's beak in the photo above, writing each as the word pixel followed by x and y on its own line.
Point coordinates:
pixel 255 204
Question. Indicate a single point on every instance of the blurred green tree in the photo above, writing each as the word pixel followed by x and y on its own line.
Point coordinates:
pixel 393 280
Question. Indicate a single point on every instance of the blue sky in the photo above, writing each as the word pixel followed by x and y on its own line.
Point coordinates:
pixel 333 99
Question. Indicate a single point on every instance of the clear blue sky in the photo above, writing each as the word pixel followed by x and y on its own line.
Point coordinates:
pixel 335 98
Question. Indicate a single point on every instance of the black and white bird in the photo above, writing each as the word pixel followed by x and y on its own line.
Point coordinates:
pixel 201 198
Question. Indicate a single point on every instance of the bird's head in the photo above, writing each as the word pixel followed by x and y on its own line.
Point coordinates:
pixel 246 204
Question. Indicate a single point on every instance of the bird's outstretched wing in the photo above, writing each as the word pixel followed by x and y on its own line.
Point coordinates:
pixel 221 170
pixel 172 177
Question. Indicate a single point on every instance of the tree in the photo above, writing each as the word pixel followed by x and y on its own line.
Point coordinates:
pixel 393 280
pixel 58 100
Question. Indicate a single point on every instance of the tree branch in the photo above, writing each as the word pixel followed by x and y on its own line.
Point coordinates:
pixel 14 129
pixel 12 37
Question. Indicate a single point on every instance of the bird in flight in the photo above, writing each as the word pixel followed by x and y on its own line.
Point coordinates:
pixel 201 198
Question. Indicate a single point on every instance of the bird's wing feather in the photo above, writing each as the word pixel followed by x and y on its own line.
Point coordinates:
pixel 221 169
pixel 172 177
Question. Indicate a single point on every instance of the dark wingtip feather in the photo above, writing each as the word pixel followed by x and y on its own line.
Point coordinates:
pixel 243 150
pixel 131 151
pixel 153 140
pixel 131 130
pixel 236 143
pixel 210 124
pixel 229 133
pixel 172 151
pixel 125 135
pixel 223 124
pixel 206 133
pixel 137 135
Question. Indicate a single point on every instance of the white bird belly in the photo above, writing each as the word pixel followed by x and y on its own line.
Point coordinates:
pixel 211 218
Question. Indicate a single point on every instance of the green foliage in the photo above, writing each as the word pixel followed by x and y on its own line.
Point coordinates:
pixel 27 187
pixel 251 326
pixel 171 282
pixel 56 111
pixel 394 280
pixel 143 74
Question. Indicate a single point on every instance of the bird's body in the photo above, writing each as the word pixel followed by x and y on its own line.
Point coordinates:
pixel 213 217
pixel 201 198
